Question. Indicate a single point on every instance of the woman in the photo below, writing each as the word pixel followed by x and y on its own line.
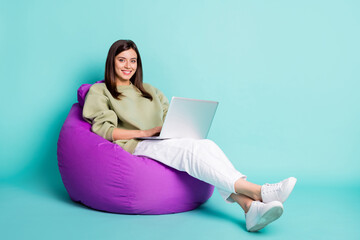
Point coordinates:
pixel 123 109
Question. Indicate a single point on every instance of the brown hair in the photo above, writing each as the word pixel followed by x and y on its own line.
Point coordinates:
pixel 137 79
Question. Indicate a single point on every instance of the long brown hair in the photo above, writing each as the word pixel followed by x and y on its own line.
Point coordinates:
pixel 137 79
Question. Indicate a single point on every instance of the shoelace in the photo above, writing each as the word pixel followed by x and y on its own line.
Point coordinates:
pixel 274 187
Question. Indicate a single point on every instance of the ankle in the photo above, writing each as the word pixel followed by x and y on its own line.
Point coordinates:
pixel 249 189
pixel 247 206
pixel 257 194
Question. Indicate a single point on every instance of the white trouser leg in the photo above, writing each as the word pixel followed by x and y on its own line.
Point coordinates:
pixel 202 159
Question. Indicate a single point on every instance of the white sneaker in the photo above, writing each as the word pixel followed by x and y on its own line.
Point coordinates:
pixel 261 214
pixel 277 191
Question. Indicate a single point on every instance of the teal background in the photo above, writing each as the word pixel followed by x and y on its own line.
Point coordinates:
pixel 286 74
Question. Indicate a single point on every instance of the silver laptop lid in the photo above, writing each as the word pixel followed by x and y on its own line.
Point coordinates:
pixel 188 118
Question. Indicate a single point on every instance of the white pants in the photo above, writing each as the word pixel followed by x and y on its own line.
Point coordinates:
pixel 202 159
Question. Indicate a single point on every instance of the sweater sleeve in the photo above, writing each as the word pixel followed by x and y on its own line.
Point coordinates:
pixel 164 102
pixel 97 111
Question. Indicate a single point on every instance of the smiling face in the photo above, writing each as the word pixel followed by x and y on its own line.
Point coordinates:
pixel 125 66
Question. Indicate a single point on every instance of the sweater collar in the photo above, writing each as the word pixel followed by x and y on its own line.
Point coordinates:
pixel 124 87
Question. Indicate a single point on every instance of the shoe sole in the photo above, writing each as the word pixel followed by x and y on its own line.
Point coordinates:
pixel 271 215
pixel 291 185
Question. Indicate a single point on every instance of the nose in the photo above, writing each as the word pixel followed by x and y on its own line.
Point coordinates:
pixel 127 65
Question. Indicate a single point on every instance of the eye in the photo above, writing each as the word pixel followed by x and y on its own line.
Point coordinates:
pixel 133 61
pixel 121 60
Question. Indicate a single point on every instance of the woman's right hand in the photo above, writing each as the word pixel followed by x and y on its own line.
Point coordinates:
pixel 123 134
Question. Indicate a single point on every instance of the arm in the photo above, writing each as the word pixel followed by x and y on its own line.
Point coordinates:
pixel 164 102
pixel 124 134
pixel 130 134
pixel 104 120
pixel 97 112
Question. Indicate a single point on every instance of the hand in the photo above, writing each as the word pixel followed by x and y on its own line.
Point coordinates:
pixel 152 132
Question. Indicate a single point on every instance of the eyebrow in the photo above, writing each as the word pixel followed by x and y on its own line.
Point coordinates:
pixel 130 58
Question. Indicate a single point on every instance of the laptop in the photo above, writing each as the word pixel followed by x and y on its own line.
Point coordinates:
pixel 187 118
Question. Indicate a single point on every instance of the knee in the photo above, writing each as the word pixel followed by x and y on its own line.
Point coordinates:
pixel 208 143
pixel 203 144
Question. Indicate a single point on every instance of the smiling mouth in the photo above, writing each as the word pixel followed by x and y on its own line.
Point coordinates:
pixel 126 72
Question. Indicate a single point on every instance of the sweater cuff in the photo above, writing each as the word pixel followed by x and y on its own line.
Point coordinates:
pixel 109 134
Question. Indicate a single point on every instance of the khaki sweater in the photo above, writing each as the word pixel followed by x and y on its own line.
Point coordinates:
pixel 132 112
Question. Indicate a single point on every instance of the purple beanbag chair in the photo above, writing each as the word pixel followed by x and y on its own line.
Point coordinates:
pixel 103 176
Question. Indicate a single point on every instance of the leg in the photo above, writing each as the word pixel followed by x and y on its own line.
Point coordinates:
pixel 249 189
pixel 202 159
pixel 243 201
pixel 267 192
